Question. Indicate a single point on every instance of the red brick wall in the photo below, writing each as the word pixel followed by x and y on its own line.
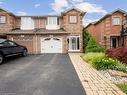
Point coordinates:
pixel 104 29
pixel 74 29
pixel 115 29
pixel 91 29
pixel 10 22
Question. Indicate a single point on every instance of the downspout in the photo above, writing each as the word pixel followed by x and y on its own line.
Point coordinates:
pixel 36 42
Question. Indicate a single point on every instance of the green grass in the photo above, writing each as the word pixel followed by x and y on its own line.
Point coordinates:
pixel 123 87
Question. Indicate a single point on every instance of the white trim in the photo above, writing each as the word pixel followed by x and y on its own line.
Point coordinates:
pixel 2 19
pixel 73 50
pixel 76 42
pixel 72 19
pixel 52 23
pixel 120 23
pixel 27 23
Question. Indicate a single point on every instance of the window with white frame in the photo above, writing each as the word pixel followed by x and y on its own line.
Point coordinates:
pixel 73 43
pixel 73 19
pixel 2 19
pixel 27 23
pixel 52 21
pixel 116 21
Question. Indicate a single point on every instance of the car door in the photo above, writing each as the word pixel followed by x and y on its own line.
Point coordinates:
pixel 6 48
pixel 14 47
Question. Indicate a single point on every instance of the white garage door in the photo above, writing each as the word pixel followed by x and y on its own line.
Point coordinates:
pixel 51 45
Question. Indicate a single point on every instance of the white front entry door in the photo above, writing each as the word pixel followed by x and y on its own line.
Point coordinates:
pixel 51 45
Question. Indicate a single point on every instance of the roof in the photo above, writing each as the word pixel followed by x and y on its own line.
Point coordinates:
pixel 38 31
pixel 40 16
pixel 6 11
pixel 92 23
pixel 107 15
pixel 73 8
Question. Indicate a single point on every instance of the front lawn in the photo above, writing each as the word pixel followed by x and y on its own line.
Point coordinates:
pixel 123 87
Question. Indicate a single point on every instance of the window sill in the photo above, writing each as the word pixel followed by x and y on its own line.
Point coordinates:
pixel 73 50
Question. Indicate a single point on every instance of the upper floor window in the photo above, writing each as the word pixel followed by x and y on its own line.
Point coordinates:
pixel 52 21
pixel 116 21
pixel 73 19
pixel 2 19
pixel 27 23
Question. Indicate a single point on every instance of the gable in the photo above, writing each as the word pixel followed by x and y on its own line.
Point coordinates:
pixel 74 10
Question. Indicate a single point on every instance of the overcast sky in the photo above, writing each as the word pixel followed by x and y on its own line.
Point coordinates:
pixel 95 8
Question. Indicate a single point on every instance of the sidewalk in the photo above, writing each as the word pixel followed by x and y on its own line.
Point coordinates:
pixel 93 82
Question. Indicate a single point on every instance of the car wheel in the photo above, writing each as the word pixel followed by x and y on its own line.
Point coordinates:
pixel 1 59
pixel 24 53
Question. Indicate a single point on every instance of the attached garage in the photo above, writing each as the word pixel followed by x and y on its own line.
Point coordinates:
pixel 51 45
pixel 41 41
pixel 24 40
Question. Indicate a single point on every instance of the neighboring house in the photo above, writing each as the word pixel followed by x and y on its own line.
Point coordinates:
pixel 45 34
pixel 107 31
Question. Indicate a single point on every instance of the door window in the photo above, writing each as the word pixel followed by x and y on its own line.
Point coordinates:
pixel 73 42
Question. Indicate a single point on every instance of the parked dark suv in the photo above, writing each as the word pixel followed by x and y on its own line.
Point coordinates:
pixel 9 48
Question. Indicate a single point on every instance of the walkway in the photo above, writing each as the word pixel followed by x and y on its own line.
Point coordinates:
pixel 93 82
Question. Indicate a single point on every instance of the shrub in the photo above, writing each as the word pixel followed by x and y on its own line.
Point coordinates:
pixel 88 57
pixel 93 46
pixel 103 63
pixel 118 53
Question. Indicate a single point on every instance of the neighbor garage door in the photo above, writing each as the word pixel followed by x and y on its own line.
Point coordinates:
pixel 51 45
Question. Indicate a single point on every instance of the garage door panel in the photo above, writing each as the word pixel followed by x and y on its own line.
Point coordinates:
pixel 51 45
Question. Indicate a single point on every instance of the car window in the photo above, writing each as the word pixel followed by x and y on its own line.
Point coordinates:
pixel 8 43
pixel 11 43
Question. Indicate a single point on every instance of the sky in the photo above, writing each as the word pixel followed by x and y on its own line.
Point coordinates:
pixel 95 9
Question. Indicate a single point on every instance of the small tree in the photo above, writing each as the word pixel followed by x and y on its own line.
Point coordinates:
pixel 92 46
pixel 86 38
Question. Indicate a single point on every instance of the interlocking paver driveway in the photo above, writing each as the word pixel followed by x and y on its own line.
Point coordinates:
pixel 47 74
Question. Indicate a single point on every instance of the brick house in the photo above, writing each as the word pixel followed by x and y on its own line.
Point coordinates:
pixel 45 34
pixel 107 31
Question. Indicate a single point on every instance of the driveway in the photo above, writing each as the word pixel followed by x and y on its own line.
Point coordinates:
pixel 47 74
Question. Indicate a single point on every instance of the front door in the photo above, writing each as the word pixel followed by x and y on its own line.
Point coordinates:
pixel 113 42
pixel 73 43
